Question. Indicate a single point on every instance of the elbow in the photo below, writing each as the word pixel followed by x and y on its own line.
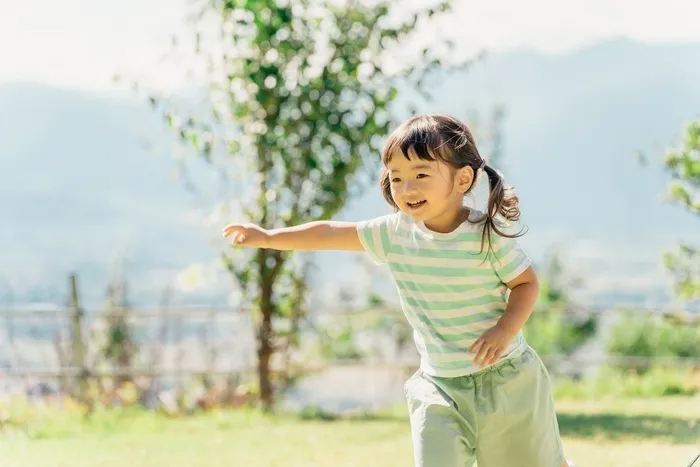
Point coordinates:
pixel 535 283
pixel 531 288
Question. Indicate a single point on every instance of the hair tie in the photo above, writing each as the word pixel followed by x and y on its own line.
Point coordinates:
pixel 483 164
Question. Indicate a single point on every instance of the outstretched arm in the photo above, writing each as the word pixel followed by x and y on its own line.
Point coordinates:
pixel 320 235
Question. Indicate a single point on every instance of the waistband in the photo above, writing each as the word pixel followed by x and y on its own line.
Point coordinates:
pixel 505 360
pixel 508 359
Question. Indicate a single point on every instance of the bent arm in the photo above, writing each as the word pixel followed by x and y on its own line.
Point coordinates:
pixel 524 291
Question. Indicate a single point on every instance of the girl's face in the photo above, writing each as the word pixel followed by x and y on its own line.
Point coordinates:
pixel 429 191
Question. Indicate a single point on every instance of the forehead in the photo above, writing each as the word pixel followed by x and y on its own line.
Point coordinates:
pixel 399 162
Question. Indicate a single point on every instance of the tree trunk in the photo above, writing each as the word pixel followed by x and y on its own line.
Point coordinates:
pixel 265 280
pixel 265 351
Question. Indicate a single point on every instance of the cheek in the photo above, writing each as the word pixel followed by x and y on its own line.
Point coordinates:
pixel 392 190
pixel 434 188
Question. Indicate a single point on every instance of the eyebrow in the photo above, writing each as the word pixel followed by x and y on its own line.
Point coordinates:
pixel 415 167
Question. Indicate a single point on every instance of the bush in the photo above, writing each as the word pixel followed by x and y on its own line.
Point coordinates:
pixel 553 332
pixel 554 328
pixel 652 336
pixel 612 382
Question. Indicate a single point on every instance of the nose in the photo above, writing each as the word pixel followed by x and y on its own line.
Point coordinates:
pixel 408 187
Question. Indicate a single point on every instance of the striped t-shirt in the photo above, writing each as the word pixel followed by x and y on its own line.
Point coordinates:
pixel 450 290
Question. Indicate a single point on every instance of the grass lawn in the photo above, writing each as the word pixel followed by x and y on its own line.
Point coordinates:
pixel 621 433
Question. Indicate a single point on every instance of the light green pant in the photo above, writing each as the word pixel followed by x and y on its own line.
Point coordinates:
pixel 501 416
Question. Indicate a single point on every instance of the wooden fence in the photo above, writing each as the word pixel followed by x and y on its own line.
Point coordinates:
pixel 200 342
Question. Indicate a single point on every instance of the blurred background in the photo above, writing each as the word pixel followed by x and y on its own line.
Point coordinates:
pixel 132 131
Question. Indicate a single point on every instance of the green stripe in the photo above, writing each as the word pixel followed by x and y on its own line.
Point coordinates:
pixel 510 268
pixel 445 350
pixel 401 232
pixel 460 321
pixel 440 254
pixel 453 304
pixel 384 236
pixel 473 335
pixel 441 271
pixel 504 250
pixel 369 240
pixel 447 288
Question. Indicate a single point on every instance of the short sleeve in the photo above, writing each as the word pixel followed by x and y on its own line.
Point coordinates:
pixel 508 258
pixel 376 234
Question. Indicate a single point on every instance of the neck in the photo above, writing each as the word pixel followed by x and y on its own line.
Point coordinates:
pixel 449 220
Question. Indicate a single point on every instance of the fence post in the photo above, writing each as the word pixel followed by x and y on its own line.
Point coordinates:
pixel 78 345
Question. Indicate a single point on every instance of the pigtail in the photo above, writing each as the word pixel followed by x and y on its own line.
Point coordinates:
pixel 503 203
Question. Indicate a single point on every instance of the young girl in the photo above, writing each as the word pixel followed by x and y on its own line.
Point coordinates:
pixel 481 393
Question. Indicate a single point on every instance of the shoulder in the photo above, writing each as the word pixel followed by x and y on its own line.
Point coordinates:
pixel 387 223
pixel 377 235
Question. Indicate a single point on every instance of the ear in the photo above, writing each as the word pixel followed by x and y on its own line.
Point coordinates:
pixel 465 179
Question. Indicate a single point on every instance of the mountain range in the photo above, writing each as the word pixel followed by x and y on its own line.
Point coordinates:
pixel 82 192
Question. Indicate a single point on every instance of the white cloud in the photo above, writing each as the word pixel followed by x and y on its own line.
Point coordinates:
pixel 83 44
pixel 560 25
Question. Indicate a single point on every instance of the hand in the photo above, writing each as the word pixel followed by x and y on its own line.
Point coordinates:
pixel 491 345
pixel 248 235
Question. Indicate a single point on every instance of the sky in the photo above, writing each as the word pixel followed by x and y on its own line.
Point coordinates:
pixel 82 44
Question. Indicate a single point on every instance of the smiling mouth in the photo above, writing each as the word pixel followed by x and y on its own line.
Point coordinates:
pixel 415 205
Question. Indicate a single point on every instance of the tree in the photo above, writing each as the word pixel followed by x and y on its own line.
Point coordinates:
pixel 684 165
pixel 298 101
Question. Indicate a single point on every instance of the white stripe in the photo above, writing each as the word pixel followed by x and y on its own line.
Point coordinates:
pixel 453 357
pixel 457 312
pixel 462 263
pixel 408 224
pixel 517 271
pixel 418 242
pixel 378 245
pixel 473 327
pixel 444 280
pixel 466 357
pixel 515 255
pixel 468 294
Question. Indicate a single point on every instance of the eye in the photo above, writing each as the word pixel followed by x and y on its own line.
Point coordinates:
pixel 395 180
pixel 421 175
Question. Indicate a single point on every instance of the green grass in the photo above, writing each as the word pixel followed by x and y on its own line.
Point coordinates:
pixel 620 433
pixel 613 383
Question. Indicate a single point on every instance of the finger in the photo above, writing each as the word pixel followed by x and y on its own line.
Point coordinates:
pixel 228 230
pixel 233 228
pixel 477 343
pixel 491 357
pixel 497 355
pixel 486 358
pixel 234 237
pixel 482 353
